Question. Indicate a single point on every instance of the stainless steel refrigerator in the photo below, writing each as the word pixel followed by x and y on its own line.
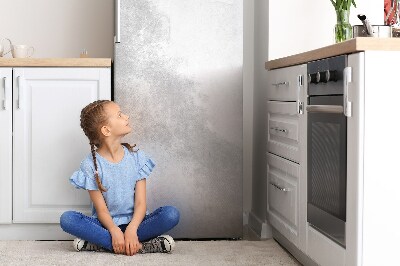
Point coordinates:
pixel 178 74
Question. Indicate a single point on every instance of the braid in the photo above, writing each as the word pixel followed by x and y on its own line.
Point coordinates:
pixel 96 173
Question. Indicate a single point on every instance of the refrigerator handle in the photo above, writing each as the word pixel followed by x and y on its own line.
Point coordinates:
pixel 117 8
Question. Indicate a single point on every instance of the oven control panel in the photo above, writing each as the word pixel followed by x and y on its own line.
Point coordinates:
pixel 324 76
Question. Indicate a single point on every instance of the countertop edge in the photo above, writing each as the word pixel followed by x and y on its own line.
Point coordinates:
pixel 55 62
pixel 347 47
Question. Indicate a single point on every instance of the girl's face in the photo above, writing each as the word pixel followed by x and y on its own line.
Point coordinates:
pixel 117 122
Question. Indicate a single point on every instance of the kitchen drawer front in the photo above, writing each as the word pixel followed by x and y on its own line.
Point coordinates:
pixel 283 130
pixel 283 196
pixel 284 83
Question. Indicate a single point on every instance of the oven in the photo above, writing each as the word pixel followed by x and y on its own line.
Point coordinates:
pixel 327 148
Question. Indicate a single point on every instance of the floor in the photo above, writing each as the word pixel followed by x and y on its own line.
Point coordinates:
pixel 241 252
pixel 217 252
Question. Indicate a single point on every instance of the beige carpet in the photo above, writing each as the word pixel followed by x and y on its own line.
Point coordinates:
pixel 219 253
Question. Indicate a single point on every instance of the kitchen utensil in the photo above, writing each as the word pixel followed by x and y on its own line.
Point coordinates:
pixel 367 26
pixel 2 53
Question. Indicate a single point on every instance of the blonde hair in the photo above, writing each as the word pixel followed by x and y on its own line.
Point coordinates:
pixel 93 117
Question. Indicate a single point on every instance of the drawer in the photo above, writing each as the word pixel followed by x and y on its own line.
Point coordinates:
pixel 283 83
pixel 283 196
pixel 283 130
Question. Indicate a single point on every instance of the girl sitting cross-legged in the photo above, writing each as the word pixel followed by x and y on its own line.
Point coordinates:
pixel 115 176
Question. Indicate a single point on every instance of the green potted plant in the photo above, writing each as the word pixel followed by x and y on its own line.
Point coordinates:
pixel 343 29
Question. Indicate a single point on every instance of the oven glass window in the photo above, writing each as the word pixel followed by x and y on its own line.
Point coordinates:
pixel 327 163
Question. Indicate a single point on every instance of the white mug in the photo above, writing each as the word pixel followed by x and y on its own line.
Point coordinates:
pixel 21 51
pixel 2 47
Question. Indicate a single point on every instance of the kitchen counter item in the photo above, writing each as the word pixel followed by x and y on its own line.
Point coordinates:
pixel 348 47
pixel 2 52
pixel 382 31
pixel 368 30
pixel 55 62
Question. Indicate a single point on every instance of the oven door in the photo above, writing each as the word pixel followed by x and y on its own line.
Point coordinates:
pixel 327 166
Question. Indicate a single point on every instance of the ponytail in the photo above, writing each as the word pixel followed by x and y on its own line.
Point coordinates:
pixel 96 173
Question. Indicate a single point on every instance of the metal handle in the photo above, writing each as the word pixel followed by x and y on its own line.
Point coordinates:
pixel 20 88
pixel 346 81
pixel 279 187
pixel 335 109
pixel 286 83
pixel 5 93
pixel 117 7
pixel 279 129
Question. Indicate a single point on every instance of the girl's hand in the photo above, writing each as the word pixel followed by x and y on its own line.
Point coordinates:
pixel 118 241
pixel 132 244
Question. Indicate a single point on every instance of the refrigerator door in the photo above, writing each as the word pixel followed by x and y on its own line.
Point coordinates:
pixel 178 74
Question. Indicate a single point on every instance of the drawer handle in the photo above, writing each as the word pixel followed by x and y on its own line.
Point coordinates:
pixel 279 187
pixel 280 129
pixel 284 83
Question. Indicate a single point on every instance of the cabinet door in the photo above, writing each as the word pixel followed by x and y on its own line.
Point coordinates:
pixel 5 146
pixel 48 141
pixel 283 196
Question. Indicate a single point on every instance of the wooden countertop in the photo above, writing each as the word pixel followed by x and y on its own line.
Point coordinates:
pixel 348 47
pixel 55 62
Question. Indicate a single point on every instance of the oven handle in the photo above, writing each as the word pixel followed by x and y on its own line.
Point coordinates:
pixel 336 109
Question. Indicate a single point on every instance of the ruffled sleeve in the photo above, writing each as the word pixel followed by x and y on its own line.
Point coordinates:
pixel 145 164
pixel 84 177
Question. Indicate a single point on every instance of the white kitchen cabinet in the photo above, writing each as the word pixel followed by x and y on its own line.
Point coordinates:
pixel 47 142
pixel 372 166
pixel 6 146
pixel 285 127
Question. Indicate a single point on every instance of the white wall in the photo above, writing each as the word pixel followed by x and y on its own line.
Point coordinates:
pixel 60 28
pixel 301 25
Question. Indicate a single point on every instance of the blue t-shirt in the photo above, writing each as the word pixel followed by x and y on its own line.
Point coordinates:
pixel 118 178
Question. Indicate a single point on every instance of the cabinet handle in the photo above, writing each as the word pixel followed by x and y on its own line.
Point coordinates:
pixel 279 187
pixel 286 83
pixel 20 87
pixel 280 129
pixel 5 93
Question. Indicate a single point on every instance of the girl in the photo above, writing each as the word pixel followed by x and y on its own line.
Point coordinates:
pixel 115 177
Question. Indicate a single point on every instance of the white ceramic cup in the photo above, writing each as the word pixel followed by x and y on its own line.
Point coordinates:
pixel 21 50
pixel 2 47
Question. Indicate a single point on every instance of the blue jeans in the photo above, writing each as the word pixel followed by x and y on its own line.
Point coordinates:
pixel 90 229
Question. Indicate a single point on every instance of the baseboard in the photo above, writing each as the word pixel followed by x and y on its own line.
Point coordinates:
pixel 292 249
pixel 262 229
pixel 33 232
